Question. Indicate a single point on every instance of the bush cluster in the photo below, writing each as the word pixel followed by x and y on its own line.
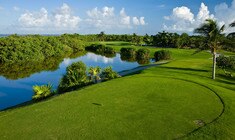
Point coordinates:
pixel 142 56
pixel 162 55
pixel 128 54
pixel 101 50
pixel 226 63
pixel 108 74
pixel 74 78
pixel 77 76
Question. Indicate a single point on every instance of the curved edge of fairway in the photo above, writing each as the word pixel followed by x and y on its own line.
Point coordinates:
pixel 221 113
pixel 215 119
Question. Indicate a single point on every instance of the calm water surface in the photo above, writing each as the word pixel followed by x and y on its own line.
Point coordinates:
pixel 13 92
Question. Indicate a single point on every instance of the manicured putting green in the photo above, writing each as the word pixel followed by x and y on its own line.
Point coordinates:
pixel 134 107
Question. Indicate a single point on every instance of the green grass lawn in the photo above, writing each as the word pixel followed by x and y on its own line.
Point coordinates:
pixel 161 102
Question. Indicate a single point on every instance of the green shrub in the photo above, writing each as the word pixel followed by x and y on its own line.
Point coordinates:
pixel 74 78
pixel 109 50
pixel 96 48
pixel 108 74
pixel 94 74
pixel 101 50
pixel 162 55
pixel 143 61
pixel 143 54
pixel 226 63
pixel 128 54
pixel 42 92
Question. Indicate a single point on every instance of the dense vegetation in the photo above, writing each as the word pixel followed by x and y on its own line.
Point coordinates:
pixel 227 64
pixel 33 48
pixel 17 48
pixel 77 76
pixel 108 74
pixel 162 55
pixel 101 49
pixel 128 54
pixel 74 78
pixel 166 40
pixel 142 55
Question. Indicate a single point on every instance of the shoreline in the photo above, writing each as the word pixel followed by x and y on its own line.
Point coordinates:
pixel 121 73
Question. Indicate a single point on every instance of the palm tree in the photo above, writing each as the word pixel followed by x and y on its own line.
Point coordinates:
pixel 101 36
pixel 135 39
pixel 94 73
pixel 213 33
pixel 41 92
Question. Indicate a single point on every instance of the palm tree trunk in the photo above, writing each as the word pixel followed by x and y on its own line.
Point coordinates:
pixel 214 65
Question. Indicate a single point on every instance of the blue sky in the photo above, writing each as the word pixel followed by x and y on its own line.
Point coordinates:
pixel 111 16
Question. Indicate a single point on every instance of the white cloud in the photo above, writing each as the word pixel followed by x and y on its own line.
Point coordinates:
pixel 108 12
pixel 136 21
pixel 184 20
pixel 60 19
pixel 204 13
pixel 15 8
pixel 225 14
pixel 182 13
pixel 99 58
pixel 139 21
pixel 125 20
pixel 106 18
pixel 101 18
pixel 142 22
pixel 35 19
pixel 63 18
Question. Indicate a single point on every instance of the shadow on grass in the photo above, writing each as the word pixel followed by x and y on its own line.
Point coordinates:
pixel 97 104
pixel 119 44
pixel 133 73
pixel 227 77
pixel 185 69
pixel 226 82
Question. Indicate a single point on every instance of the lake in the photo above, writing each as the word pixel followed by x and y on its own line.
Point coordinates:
pixel 16 83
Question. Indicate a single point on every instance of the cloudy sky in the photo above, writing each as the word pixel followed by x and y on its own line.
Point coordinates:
pixel 111 16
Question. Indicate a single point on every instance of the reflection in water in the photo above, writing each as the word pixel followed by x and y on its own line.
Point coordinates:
pixel 143 61
pixel 16 80
pixel 97 58
pixel 133 58
pixel 16 71
pixel 21 70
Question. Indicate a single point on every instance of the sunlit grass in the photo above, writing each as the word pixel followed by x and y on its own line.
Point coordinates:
pixel 162 102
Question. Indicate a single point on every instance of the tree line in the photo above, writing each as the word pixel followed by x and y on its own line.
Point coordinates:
pixel 167 40
pixel 15 48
